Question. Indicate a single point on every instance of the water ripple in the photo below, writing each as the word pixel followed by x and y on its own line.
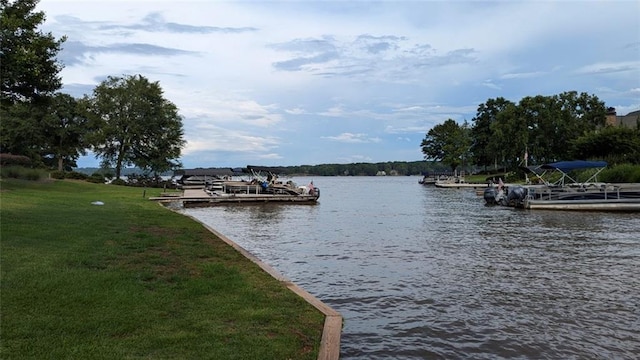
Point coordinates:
pixel 425 273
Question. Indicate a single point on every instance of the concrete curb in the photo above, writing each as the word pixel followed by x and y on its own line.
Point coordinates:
pixel 330 342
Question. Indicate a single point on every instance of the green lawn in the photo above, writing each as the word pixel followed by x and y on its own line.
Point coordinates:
pixel 130 279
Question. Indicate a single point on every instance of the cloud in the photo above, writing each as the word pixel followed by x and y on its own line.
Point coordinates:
pixel 277 81
pixel 76 52
pixel 607 68
pixel 353 138
pixel 527 75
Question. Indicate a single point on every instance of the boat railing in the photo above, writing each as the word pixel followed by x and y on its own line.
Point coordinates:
pixel 609 191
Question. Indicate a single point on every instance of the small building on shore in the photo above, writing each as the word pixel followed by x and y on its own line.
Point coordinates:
pixel 631 120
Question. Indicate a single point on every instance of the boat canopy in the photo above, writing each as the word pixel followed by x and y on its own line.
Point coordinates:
pixel 204 172
pixel 268 169
pixel 566 166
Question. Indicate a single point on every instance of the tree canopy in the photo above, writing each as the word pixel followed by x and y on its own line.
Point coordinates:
pixel 29 74
pixel 134 124
pixel 447 142
pixel 538 129
pixel 66 130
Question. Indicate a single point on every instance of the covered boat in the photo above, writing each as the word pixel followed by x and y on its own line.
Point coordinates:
pixel 565 193
pixel 232 186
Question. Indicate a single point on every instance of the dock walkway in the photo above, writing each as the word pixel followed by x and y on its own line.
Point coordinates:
pixel 199 197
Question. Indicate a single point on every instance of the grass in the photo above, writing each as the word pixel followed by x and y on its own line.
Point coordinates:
pixel 132 280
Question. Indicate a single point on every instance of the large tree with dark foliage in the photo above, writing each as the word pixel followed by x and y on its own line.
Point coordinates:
pixel 542 127
pixel 554 121
pixel 29 74
pixel 448 142
pixel 66 129
pixel 617 145
pixel 485 145
pixel 134 125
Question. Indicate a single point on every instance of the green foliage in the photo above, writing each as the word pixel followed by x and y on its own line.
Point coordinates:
pixel 96 178
pixel 484 147
pixel 614 144
pixel 75 175
pixel 151 181
pixel 29 67
pixel 20 172
pixel 448 143
pixel 537 130
pixel 119 181
pixel 134 125
pixel 366 169
pixel 621 173
pixel 29 76
pixel 66 132
pixel 57 174
pixel 10 159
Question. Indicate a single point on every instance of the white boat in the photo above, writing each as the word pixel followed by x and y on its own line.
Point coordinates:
pixel 568 194
pixel 457 181
pixel 262 186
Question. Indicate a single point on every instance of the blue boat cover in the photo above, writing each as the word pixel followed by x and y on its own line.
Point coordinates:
pixel 566 166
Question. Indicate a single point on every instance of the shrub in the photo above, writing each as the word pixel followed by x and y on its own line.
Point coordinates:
pixel 20 172
pixel 621 173
pixel 57 174
pixel 10 159
pixel 118 182
pixel 76 175
pixel 151 181
pixel 96 178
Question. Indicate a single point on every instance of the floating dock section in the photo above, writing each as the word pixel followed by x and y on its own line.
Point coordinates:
pixel 199 197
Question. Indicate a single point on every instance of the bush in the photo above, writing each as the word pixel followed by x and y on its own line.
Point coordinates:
pixel 118 182
pixel 621 173
pixel 149 181
pixel 76 175
pixel 10 159
pixel 20 172
pixel 57 174
pixel 96 178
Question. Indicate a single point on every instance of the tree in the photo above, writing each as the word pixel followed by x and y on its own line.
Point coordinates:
pixel 554 121
pixel 29 76
pixel 484 146
pixel 447 142
pixel 510 136
pixel 66 131
pixel 135 124
pixel 614 144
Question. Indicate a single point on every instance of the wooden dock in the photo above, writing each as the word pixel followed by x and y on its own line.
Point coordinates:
pixel 462 185
pixel 192 197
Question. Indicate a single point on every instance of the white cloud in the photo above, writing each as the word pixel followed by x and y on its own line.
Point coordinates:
pixel 352 138
pixel 265 81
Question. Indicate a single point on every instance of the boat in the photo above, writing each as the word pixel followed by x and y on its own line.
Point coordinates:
pixel 262 186
pixel 458 181
pixel 565 193
pixel 431 178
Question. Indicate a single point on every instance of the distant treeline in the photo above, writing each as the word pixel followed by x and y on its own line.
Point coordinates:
pixel 399 168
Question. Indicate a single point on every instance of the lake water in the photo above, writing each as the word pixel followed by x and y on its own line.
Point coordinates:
pixel 420 272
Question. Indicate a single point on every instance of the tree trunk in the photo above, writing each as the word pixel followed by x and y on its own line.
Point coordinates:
pixel 60 162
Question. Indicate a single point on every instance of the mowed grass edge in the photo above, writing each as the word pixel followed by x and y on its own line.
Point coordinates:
pixel 130 279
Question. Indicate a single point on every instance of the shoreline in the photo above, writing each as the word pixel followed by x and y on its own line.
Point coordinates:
pixel 332 330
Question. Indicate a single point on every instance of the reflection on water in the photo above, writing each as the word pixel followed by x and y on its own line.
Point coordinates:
pixel 419 272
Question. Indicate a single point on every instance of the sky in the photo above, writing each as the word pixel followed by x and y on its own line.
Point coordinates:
pixel 286 83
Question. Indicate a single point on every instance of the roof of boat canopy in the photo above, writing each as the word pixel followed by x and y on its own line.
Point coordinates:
pixel 271 169
pixel 204 172
pixel 566 166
